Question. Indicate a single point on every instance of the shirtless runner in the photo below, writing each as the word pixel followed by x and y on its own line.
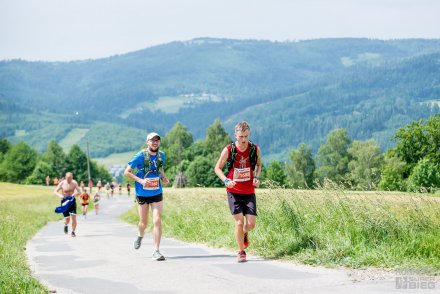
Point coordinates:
pixel 68 187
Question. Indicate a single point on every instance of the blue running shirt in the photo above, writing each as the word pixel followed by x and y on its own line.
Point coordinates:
pixel 154 185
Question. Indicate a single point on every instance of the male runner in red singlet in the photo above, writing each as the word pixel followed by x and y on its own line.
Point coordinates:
pixel 240 181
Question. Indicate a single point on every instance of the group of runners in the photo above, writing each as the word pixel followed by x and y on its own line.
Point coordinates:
pixel 110 188
pixel 242 159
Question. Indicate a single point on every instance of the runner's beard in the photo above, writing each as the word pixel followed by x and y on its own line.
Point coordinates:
pixel 152 149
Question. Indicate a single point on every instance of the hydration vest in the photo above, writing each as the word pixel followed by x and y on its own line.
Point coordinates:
pixel 253 156
pixel 148 163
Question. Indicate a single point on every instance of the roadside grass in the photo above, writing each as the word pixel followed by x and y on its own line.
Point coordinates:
pixel 330 226
pixel 24 210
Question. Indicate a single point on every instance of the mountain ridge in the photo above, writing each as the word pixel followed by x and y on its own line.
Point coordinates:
pixel 247 74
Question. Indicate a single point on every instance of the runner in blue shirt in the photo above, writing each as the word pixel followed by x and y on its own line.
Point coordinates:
pixel 149 179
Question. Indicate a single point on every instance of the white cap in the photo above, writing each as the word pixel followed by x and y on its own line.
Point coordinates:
pixel 152 135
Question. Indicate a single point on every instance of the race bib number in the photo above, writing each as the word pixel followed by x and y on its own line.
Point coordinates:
pixel 242 174
pixel 151 184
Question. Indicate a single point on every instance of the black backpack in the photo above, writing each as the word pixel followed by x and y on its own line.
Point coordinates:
pixel 253 156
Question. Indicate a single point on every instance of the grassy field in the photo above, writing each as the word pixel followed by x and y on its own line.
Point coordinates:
pixel 328 227
pixel 23 211
pixel 116 158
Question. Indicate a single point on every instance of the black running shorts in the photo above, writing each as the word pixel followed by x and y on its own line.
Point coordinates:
pixel 242 203
pixel 150 199
pixel 72 209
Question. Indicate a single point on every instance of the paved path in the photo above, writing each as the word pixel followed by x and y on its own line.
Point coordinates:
pixel 101 259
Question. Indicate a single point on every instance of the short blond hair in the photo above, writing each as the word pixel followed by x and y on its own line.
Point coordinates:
pixel 242 126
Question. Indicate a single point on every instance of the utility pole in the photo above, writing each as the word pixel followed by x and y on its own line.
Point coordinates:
pixel 88 166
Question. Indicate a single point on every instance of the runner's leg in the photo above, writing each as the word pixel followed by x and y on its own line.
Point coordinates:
pixel 250 223
pixel 143 218
pixel 157 207
pixel 239 225
pixel 73 216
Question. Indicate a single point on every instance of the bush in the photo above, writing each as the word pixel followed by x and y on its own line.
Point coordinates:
pixel 424 177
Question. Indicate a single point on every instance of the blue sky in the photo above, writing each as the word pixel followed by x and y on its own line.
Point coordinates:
pixel 62 30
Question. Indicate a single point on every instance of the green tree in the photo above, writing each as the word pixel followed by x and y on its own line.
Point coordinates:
pixel 365 165
pixel 18 163
pixel 56 158
pixel 176 141
pixel 301 167
pixel 101 174
pixel 432 131
pixel 393 170
pixel 424 176
pixel 411 143
pixel 216 138
pixel 4 148
pixel 38 176
pixel 275 173
pixel 333 157
pixel 77 163
pixel 200 172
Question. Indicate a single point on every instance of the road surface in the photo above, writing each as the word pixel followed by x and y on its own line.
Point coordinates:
pixel 101 259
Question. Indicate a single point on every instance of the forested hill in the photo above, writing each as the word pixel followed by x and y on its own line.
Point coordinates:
pixel 291 92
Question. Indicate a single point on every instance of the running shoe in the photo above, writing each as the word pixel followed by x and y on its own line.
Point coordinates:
pixel 158 256
pixel 66 229
pixel 73 234
pixel 137 243
pixel 246 240
pixel 241 256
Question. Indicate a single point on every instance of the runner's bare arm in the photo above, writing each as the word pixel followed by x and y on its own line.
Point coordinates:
pixel 165 180
pixel 58 188
pixel 128 172
pixel 78 191
pixel 219 168
pixel 221 163
pixel 257 171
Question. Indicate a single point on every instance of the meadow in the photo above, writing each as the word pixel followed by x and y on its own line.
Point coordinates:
pixel 329 227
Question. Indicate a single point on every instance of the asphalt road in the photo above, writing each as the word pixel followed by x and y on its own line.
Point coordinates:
pixel 101 259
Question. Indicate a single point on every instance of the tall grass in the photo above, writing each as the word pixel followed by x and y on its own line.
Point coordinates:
pixel 328 226
pixel 23 211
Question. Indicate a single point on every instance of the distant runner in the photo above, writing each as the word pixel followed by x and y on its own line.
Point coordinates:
pixel 148 183
pixel 84 202
pixel 107 189
pixel 68 188
pixel 96 199
pixel 99 185
pixel 128 189
pixel 112 188
pixel 244 167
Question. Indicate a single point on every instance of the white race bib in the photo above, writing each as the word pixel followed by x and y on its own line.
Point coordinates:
pixel 151 183
pixel 242 174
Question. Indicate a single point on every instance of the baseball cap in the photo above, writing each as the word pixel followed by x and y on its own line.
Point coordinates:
pixel 152 135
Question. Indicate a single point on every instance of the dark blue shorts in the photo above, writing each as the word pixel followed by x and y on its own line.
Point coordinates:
pixel 72 209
